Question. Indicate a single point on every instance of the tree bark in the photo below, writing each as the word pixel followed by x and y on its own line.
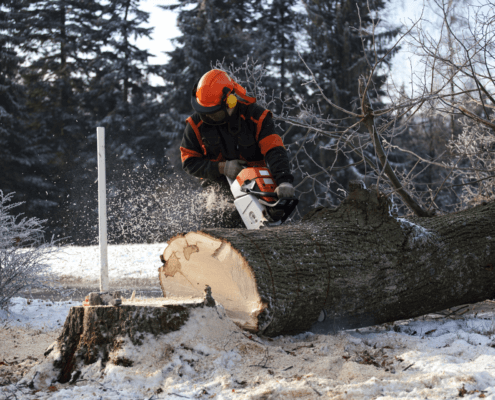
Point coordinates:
pixel 354 266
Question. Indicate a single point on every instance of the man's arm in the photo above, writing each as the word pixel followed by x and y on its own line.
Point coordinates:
pixel 193 160
pixel 273 150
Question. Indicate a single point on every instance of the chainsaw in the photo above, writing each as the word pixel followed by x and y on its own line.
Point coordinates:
pixel 256 201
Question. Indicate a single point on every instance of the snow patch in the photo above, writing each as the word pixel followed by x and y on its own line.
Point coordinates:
pixel 38 314
pixel 137 261
pixel 416 233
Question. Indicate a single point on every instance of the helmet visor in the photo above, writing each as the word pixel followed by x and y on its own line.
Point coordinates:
pixel 215 118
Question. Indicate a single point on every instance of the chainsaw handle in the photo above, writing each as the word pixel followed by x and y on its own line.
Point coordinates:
pixel 261 194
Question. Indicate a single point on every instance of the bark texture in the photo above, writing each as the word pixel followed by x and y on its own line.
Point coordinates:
pixel 350 267
pixel 92 333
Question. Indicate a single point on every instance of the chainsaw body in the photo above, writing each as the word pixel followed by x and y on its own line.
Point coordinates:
pixel 256 201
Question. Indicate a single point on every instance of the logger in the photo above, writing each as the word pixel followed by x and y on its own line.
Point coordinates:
pixel 230 143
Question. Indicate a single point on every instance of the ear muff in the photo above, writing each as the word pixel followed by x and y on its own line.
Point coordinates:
pixel 231 101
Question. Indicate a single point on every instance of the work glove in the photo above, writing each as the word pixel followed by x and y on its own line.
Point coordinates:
pixel 285 189
pixel 231 168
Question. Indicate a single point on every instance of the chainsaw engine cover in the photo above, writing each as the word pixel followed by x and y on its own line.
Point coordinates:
pixel 257 179
pixel 256 200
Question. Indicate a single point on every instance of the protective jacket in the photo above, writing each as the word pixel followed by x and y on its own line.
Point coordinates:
pixel 250 136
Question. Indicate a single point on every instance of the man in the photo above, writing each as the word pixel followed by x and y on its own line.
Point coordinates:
pixel 229 131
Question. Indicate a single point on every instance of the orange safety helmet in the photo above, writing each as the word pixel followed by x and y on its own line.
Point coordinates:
pixel 216 91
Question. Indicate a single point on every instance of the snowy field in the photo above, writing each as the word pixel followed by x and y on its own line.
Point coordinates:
pixel 211 358
pixel 126 263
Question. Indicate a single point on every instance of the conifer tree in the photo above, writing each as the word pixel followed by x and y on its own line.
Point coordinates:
pixel 121 99
pixel 120 96
pixel 61 39
pixel 276 40
pixel 85 71
pixel 340 48
pixel 21 154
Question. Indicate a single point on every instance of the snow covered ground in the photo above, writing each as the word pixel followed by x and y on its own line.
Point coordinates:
pixel 211 358
pixel 130 262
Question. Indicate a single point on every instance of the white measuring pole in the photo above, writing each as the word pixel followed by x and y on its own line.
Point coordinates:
pixel 102 209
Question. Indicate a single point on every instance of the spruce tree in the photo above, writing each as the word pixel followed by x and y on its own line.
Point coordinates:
pixel 340 48
pixel 276 29
pixel 119 95
pixel 21 150
pixel 121 99
pixel 61 39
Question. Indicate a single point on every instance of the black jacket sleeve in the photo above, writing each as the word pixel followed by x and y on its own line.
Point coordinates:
pixel 276 159
pixel 198 166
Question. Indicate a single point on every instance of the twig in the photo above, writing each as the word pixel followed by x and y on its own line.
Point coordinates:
pixel 265 359
pixel 250 337
pixel 480 120
pixel 179 395
pixel 325 97
pixel 409 366
pixel 386 168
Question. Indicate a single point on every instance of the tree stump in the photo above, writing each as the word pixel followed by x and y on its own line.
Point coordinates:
pixel 354 266
pixel 91 333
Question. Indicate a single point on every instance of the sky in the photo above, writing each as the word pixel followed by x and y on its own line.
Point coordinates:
pixel 164 25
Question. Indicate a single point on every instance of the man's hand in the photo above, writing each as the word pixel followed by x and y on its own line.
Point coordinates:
pixel 285 189
pixel 231 168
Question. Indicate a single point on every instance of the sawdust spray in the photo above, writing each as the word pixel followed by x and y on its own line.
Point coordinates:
pixel 147 205
pixel 145 209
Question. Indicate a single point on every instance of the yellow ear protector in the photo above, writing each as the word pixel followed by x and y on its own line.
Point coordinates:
pixel 231 101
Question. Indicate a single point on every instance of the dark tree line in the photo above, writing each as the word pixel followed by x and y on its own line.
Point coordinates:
pixel 68 66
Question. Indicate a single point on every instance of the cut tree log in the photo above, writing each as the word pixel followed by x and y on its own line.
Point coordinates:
pixel 92 333
pixel 355 266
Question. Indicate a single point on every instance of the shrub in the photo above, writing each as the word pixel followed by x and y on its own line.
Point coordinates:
pixel 23 253
pixel 475 148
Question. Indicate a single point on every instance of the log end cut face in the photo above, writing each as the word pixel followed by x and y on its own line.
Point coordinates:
pixel 195 260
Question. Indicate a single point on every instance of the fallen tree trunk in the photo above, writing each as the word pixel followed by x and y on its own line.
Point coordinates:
pixel 339 269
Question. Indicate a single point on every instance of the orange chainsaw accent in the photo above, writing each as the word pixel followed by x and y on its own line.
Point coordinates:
pixel 262 176
pixel 186 153
pixel 270 142
pixel 196 131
